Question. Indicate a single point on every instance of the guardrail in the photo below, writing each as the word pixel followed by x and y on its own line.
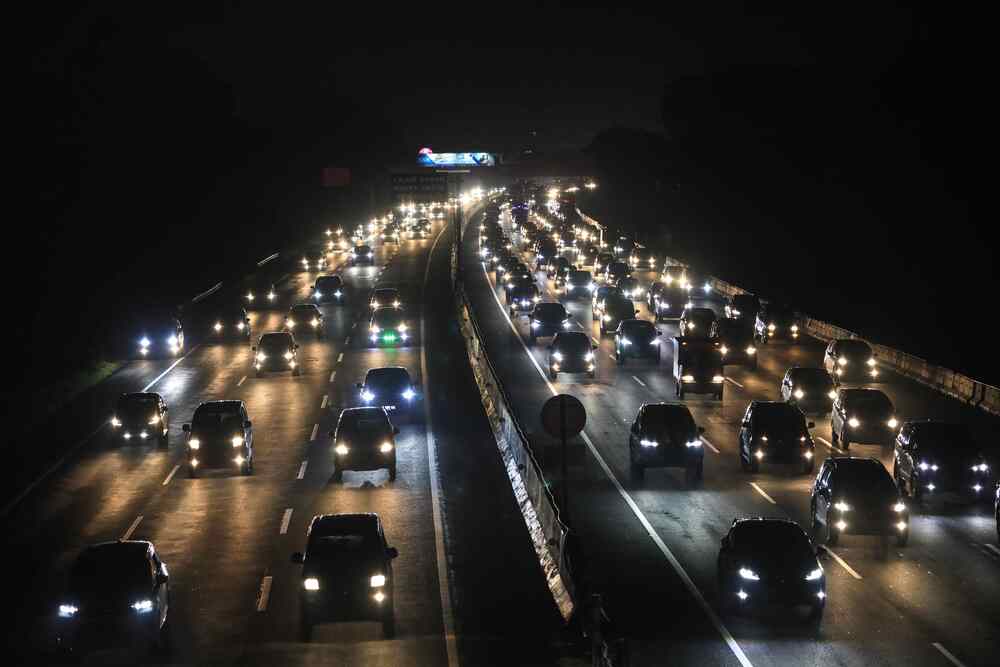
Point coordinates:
pixel 984 396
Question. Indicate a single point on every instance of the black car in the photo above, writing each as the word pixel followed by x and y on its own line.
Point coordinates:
pixel 562 275
pixel 557 264
pixel 365 439
pixel 330 289
pixel 229 322
pixel 775 432
pixel 317 263
pixel 361 254
pixel 630 287
pixel 276 351
pixel 664 435
pixel 118 593
pixel 390 387
pixel 736 343
pixel 304 317
pixel 617 308
pixel 545 252
pixel 385 297
pixel 601 295
pixel 547 319
pixel 615 271
pixel 260 296
pixel 388 327
pixel 158 334
pixel 518 280
pixel 933 458
pixel 637 338
pixel 641 259
pixel 523 298
pixel 142 416
pixel 776 322
pixel 220 435
pixel 346 573
pixel 743 307
pixel 601 263
pixel 770 562
pixel 697 323
pixel 862 415
pixel 811 390
pixel 666 301
pixel 851 360
pixel 857 496
pixel 571 352
pixel 578 283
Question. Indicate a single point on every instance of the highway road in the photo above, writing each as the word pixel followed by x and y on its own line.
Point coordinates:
pixel 468 589
pixel 651 547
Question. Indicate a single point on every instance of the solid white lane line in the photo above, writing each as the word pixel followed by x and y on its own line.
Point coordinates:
pixel 242 380
pixel 734 382
pixel 326 397
pixel 169 368
pixel 302 470
pixel 612 357
pixel 761 492
pixel 641 383
pixel 596 342
pixel 264 594
pixel 285 521
pixel 332 376
pixel 828 444
pixel 131 529
pixel 709 445
pixel 948 654
pixel 171 475
pixel 444 583
pixel 653 535
pixel 340 357
pixel 347 341
pixel 314 432
pixel 843 563
pixel 993 548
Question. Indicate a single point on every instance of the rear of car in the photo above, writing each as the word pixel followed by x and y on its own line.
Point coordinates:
pixel 365 439
pixel 329 289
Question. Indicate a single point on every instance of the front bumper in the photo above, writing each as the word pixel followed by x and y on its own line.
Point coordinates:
pixel 108 630
pixel 365 458
pixel 640 350
pixel 573 366
pixel 763 594
pixel 866 523
pixel 137 432
pixel 345 605
pixel 768 453
pixel 668 456
pixel 389 338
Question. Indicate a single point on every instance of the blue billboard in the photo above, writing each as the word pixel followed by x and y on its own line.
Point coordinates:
pixel 427 158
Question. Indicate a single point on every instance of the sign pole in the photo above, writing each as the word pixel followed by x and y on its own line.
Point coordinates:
pixel 565 453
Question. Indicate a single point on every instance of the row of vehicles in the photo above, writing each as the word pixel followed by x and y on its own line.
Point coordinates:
pixel 120 591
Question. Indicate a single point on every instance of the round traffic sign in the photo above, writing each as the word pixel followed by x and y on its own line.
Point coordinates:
pixel 563 416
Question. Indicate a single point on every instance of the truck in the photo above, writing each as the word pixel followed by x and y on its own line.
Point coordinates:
pixel 698 367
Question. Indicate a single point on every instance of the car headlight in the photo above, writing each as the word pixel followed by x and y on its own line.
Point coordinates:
pixel 899 507
pixel 831 395
pixel 237 441
pixel 841 506
pixel 645 442
pixel 314 322
pixel 409 394
pixel 799 393
pixel 606 317
pixel 261 356
pixel 815 574
pixel 249 296
pixel 240 326
pixel 367 396
pixel 341 449
pixel 892 423
pixel 795 328
pixel 142 606
pixel 144 342
pixel 385 447
pixel 535 324
pixel 116 422
pixel 749 574
pixel 194 443
pixel 172 341
pixel 558 356
pixel 625 341
pixel 982 467
pixel 724 350
pixel 287 355
pixel 290 323
pixel 589 356
pixel 155 419
pixel 591 287
pixel 924 465
pixel 717 379
pixel 271 296
pixel 375 329
pixel 771 327
pixel 218 326
pixel 693 444
pixel 310 584
pixel 536 299
pixel 338 294
pixel 853 422
pixel 68 610
pixel 871 362
pixel 842 361
pixel 687 378
pixel 377 581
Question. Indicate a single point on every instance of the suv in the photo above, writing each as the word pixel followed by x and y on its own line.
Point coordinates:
pixel 617 308
pixel 387 327
pixel 615 271
pixel 547 319
pixel 854 495
pixel 862 415
pixel 571 352
pixel 932 458
pixel 117 591
pixel 666 301
pixel 811 390
pixel 579 283
pixel 390 387
pixel 141 415
pixel 776 432
pixel 346 572
pixel 850 360
pixel 637 338
pixel 776 321
pixel 361 254
pixel 220 434
pixel 735 339
pixel 385 297
pixel 329 288
pixel 665 435
pixel 697 323
pixel 276 351
pixel 522 298
pixel 364 439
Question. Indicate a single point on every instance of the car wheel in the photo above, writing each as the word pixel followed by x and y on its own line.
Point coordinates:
pixel 657 356
pixel 246 469
pixel 680 393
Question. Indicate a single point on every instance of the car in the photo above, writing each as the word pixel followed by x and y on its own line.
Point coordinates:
pixel 697 323
pixel 388 327
pixel 578 284
pixel 698 367
pixel 775 432
pixel 158 334
pixel 630 287
pixel 518 280
pixel 857 496
pixel 263 296
pixel 330 289
pixel 743 307
pixel 545 251
pixel 276 351
pixel 601 295
pixel 547 319
pixel 556 265
pixel 601 263
pixel 934 458
pixel 571 352
pixel 364 439
pixel 776 321
pixel 141 415
pixel 622 246
pixel 665 301
pixel 346 573
pixel 637 338
pixel 735 340
pixel 696 286
pixel 385 296
pixel 305 317
pixel 863 416
pixel 220 435
pixel 390 233
pixel 675 275
pixel 615 271
pixel 317 263
pixel 768 562
pixel 389 387
pixel 229 322
pixel 616 308
pixel 851 360
pixel 361 254
pixel 588 255
pixel 562 275
pixel 642 259
pixel 118 593
pixel 503 261
pixel 811 390
pixel 523 298
pixel 664 435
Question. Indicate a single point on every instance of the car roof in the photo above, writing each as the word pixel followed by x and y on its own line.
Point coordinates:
pixel 270 336
pixel 386 370
pixel 333 524
pixel 220 406
pixel 118 549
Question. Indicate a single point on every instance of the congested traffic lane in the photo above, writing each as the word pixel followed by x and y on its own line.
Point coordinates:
pixel 856 628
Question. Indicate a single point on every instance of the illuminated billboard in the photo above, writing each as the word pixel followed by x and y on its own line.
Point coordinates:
pixel 427 158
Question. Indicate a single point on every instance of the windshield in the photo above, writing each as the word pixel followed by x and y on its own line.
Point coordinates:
pixel 363 422
pixel 854 348
pixel 700 315
pixel 812 377
pixel 870 402
pixel 388 377
pixel 618 307
pixel 945 442
pixel 385 295
pixel 137 406
pixel 304 311
pixel 777 543
pixel 347 546
pixel 778 418
pixel 866 479
pixel 638 328
pixel 550 312
pixel 107 571
pixel 572 343
pixel 216 423
pixel 628 283
pixel 617 267
pixel 276 341
pixel 331 282
pixel 671 422
pixel 734 328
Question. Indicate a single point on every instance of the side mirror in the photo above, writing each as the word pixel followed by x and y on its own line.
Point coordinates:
pixel 811 424
pixel 701 430
pixel 298 557
pixel 247 424
pixel 395 430
pixel 186 428
pixel 392 552
pixel 161 579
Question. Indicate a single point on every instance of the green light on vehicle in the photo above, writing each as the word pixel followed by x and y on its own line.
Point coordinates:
pixel 389 338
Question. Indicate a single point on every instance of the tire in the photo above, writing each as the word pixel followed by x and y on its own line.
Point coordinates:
pixel 246 469
pixel 815 614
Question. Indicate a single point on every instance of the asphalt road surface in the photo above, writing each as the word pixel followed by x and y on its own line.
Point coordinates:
pixel 467 586
pixel 651 547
